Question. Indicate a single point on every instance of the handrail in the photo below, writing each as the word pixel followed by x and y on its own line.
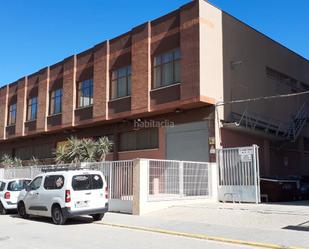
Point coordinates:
pixel 270 125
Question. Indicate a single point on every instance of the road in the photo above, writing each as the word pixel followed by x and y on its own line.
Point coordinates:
pixel 38 233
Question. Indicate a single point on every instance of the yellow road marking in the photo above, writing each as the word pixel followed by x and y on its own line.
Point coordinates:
pixel 200 236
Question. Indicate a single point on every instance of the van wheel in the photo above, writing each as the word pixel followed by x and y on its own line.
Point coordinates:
pixel 57 216
pixel 3 211
pixel 21 209
pixel 97 217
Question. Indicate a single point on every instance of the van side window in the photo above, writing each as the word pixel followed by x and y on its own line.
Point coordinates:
pixel 2 186
pixel 54 182
pixel 36 183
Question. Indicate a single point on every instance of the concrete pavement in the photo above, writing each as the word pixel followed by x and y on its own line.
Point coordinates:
pixel 275 226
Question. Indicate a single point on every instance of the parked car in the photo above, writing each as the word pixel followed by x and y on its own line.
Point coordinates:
pixel 64 194
pixel 9 192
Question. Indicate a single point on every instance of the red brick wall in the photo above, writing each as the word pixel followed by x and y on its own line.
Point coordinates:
pixel 21 106
pixel 101 79
pixel 141 68
pixel 136 47
pixel 69 91
pixel 3 110
pixel 43 99
pixel 189 47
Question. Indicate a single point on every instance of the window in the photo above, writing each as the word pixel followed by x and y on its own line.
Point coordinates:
pixel 85 93
pixel 87 182
pixel 285 80
pixel 56 102
pixel 2 186
pixel 12 114
pixel 18 185
pixel 121 83
pixel 36 183
pixel 167 69
pixel 54 182
pixel 32 109
pixel 139 140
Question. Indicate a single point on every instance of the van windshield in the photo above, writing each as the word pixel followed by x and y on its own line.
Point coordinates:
pixel 18 185
pixel 87 182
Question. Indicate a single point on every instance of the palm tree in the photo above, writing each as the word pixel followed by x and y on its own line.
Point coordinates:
pixel 8 162
pixel 103 147
pixel 83 150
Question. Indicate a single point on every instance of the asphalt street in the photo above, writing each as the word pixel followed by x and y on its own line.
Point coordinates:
pixel 38 233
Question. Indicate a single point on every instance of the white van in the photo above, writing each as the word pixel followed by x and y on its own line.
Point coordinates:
pixel 9 192
pixel 64 194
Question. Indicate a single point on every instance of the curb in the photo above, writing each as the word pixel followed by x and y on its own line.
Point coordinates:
pixel 200 236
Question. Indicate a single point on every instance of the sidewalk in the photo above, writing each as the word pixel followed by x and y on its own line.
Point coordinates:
pixel 279 226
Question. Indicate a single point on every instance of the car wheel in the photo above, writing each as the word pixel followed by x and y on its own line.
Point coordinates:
pixel 97 217
pixel 57 216
pixel 21 209
pixel 3 211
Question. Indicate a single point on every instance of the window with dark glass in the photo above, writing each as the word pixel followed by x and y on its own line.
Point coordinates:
pixel 85 93
pixel 12 114
pixel 121 83
pixel 53 182
pixel 87 182
pixel 139 140
pixel 55 102
pixel 32 108
pixel 167 69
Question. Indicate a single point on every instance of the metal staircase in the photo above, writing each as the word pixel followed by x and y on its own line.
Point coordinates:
pixel 297 124
pixel 286 131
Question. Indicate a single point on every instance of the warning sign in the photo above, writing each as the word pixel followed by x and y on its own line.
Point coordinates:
pixel 245 154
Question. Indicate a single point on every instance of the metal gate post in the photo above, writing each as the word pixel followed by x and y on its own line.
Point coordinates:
pixel 110 179
pixel 256 173
pixel 180 178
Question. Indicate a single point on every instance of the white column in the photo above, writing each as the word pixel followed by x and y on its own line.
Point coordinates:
pixel 213 181
pixel 140 185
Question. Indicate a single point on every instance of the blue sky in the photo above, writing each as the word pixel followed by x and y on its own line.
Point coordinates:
pixel 38 33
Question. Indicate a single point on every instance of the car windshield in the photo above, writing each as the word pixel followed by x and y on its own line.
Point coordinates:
pixel 87 182
pixel 18 185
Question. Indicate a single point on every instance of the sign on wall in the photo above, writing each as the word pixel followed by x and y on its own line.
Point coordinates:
pixel 245 154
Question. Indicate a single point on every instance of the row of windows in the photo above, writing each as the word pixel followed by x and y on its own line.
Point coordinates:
pixel 166 72
pixel 128 141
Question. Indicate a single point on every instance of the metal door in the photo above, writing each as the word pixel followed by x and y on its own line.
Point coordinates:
pixel 239 174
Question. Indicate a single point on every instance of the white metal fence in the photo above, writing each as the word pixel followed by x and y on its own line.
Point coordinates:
pixel 158 180
pixel 168 180
pixel 118 174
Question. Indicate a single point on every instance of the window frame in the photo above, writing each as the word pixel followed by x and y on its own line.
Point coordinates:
pixel 81 89
pixel 30 105
pixel 53 102
pixel 35 179
pixel 161 64
pixel 54 187
pixel 11 120
pixel 2 186
pixel 137 144
pixel 128 82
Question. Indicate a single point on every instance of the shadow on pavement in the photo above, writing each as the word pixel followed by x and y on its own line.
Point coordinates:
pixel 290 203
pixel 303 227
pixel 72 221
